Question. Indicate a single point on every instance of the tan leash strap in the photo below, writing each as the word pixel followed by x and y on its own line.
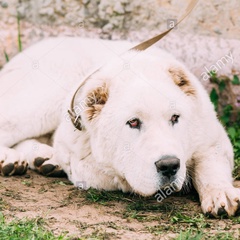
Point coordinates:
pixel 76 119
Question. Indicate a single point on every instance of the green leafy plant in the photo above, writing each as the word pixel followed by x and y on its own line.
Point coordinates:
pixel 227 106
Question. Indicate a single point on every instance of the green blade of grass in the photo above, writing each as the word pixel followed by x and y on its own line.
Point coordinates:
pixel 19 34
pixel 6 56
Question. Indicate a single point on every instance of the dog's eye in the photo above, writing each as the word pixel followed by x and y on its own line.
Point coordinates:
pixel 134 123
pixel 174 119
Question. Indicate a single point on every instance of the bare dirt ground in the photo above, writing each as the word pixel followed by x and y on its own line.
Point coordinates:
pixel 105 215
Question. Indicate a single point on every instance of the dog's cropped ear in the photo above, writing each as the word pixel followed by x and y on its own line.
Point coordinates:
pixel 95 101
pixel 182 81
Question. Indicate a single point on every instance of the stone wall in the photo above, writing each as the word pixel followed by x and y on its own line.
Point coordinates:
pixel 212 18
pixel 208 34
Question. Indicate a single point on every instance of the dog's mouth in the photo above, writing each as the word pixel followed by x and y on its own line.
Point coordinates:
pixel 173 184
pixel 166 187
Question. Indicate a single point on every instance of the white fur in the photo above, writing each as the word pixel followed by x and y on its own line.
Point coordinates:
pixel 35 92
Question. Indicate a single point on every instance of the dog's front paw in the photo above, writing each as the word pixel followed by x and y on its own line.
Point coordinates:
pixel 41 158
pixel 48 167
pixel 12 162
pixel 220 202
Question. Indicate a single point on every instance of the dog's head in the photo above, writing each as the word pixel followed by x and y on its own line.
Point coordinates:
pixel 139 116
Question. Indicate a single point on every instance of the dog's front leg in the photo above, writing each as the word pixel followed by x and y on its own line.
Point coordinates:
pixel 212 178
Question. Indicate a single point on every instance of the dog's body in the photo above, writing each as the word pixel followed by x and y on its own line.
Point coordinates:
pixel 145 120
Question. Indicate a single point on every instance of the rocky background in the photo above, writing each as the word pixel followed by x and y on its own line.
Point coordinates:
pixel 211 18
pixel 211 32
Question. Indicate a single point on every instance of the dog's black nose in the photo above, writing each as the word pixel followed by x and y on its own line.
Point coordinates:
pixel 168 165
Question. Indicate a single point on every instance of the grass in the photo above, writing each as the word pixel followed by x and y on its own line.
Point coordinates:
pixel 179 218
pixel 29 229
pixel 19 39
pixel 6 55
pixel 198 220
pixel 102 197
pixel 3 204
pixel 191 234
pixel 19 33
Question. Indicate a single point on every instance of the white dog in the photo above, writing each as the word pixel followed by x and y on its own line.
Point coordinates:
pixel 145 121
